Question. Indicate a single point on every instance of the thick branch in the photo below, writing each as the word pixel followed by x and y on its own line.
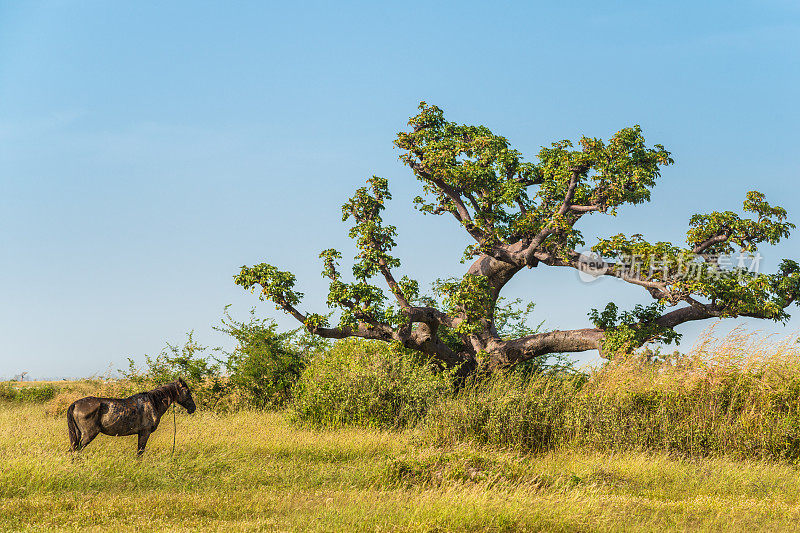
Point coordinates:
pixel 585 208
pixel 573 183
pixel 393 285
pixel 686 314
pixel 424 338
pixel 720 237
pixel 431 316
pixel 497 272
pixel 513 351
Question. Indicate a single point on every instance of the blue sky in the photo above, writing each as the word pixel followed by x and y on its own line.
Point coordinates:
pixel 148 150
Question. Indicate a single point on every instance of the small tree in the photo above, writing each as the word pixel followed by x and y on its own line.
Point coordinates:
pixel 264 365
pixel 524 215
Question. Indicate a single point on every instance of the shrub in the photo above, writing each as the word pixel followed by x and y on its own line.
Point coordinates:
pixel 7 392
pixel 265 365
pixel 367 383
pixel 36 394
pixel 259 372
pixel 27 393
pixel 508 409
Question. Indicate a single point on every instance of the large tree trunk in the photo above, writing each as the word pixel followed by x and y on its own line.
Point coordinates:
pixel 504 353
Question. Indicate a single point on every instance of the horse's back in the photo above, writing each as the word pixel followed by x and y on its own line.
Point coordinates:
pixel 85 407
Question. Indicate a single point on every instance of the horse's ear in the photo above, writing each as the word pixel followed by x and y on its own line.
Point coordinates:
pixel 183 383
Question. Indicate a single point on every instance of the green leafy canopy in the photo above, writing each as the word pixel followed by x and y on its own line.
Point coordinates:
pixel 524 214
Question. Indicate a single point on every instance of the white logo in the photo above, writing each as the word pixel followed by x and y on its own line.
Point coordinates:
pixel 591 266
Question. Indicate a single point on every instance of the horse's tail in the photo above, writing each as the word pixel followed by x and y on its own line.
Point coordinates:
pixel 72 427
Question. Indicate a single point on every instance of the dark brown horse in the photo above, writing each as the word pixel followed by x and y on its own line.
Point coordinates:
pixel 138 414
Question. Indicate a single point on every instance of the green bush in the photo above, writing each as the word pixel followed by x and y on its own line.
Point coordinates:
pixel 37 394
pixel 260 372
pixel 265 365
pixel 367 383
pixel 7 392
pixel 510 409
pixel 28 393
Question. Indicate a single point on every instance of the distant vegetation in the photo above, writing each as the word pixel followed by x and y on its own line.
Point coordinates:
pixel 37 393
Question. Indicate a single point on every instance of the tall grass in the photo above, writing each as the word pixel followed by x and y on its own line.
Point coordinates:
pixel 737 396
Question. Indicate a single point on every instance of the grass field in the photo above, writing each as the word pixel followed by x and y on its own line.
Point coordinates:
pixel 255 471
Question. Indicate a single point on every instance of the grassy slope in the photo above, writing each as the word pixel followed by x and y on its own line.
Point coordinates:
pixel 251 471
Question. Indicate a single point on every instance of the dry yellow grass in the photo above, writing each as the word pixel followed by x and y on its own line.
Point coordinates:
pixel 766 361
pixel 252 471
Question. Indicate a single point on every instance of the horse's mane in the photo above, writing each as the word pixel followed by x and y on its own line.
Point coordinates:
pixel 165 393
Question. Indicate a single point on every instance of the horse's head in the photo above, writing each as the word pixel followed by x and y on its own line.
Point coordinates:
pixel 185 399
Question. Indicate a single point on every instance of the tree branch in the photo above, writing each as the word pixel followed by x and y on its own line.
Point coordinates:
pixel 393 285
pixel 424 338
pixel 686 314
pixel 463 214
pixel 610 269
pixel 516 350
pixel 584 208
pixel 573 183
pixel 432 316
pixel 720 237
pixel 548 229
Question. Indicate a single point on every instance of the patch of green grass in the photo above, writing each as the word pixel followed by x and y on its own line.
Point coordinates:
pixel 39 393
pixel 250 471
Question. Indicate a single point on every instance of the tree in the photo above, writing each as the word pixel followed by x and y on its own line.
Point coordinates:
pixel 524 215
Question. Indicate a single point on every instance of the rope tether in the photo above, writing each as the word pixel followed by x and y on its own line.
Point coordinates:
pixel 174 429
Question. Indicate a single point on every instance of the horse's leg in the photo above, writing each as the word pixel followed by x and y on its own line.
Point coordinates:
pixel 88 434
pixel 143 436
pixel 72 429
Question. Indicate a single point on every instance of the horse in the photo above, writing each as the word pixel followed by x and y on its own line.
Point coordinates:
pixel 138 414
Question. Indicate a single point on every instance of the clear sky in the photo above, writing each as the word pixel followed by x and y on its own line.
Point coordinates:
pixel 148 150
